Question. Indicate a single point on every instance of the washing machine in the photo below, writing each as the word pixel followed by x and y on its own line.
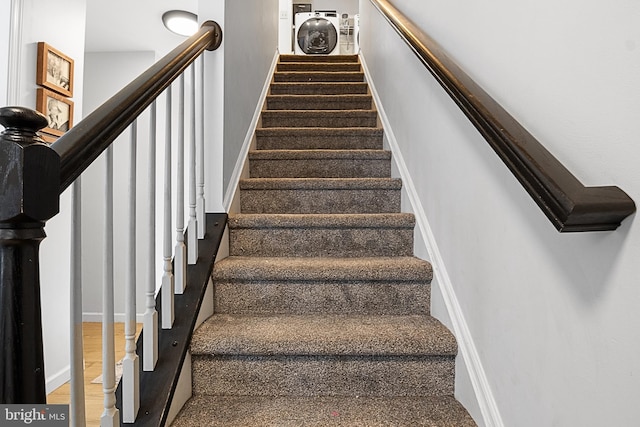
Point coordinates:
pixel 317 33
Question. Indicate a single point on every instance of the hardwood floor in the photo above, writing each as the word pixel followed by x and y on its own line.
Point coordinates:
pixel 94 398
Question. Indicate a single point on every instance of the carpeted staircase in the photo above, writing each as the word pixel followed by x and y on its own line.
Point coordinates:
pixel 321 310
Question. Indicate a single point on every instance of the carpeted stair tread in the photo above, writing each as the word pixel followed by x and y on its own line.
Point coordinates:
pixel 319 138
pixel 323 335
pixel 256 411
pixel 318 66
pixel 319 88
pixel 295 285
pixel 319 102
pixel 396 269
pixel 356 154
pixel 319 118
pixel 319 58
pixel 318 76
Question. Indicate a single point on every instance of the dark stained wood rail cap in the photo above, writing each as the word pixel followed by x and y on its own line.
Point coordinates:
pixel 83 143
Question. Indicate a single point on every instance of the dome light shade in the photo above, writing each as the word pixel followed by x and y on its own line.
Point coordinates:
pixel 180 22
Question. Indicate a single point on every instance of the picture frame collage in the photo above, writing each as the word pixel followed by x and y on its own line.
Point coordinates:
pixel 54 75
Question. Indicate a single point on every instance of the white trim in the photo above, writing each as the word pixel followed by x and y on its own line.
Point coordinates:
pixel 14 77
pixel 56 380
pixel 470 356
pixel 206 308
pixel 183 391
pixel 230 192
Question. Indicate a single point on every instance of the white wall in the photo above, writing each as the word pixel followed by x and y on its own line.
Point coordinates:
pixel 341 6
pixel 41 21
pixel 553 317
pixel 5 28
pixel 285 24
pixel 248 58
pixel 214 105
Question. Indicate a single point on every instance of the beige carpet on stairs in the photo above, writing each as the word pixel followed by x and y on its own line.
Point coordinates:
pixel 321 309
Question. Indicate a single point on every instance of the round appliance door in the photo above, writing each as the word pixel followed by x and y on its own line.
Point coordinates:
pixel 317 36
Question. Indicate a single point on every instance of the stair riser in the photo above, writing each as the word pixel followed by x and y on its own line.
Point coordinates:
pixel 318 89
pixel 353 297
pixel 337 119
pixel 318 66
pixel 313 103
pixel 222 411
pixel 320 168
pixel 306 140
pixel 325 242
pixel 323 376
pixel 318 77
pixel 319 58
pixel 320 201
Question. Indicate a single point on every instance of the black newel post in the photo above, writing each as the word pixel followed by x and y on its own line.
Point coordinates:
pixel 29 195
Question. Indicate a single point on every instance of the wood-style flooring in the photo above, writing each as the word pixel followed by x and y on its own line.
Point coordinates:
pixel 94 397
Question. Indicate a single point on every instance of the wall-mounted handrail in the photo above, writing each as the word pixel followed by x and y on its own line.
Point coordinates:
pixel 568 204
pixel 83 143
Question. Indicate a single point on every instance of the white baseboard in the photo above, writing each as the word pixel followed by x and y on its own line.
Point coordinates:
pixel 231 190
pixel 470 357
pixel 56 380
pixel 183 391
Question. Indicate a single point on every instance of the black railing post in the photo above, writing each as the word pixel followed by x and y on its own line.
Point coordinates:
pixel 29 195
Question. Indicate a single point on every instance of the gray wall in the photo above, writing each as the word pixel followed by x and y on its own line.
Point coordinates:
pixel 550 318
pixel 251 40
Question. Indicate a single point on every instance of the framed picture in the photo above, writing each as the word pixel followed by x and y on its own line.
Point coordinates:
pixel 54 70
pixel 58 109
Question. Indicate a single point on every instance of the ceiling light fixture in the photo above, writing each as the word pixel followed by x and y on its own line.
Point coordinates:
pixel 180 22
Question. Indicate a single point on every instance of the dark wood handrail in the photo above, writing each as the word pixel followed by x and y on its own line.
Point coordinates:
pixel 34 175
pixel 83 143
pixel 568 204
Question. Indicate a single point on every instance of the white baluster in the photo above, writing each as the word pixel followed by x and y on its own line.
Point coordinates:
pixel 150 325
pixel 192 228
pixel 130 363
pixel 180 257
pixel 200 202
pixel 77 362
pixel 110 415
pixel 167 276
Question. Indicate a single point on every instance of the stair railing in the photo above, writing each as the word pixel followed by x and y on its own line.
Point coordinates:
pixel 566 202
pixel 34 175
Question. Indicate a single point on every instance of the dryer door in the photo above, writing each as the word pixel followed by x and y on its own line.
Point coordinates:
pixel 317 36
